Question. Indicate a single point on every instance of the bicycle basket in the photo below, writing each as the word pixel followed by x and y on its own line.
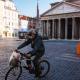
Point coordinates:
pixel 14 59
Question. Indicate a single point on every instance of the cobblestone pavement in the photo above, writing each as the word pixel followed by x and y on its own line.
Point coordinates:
pixel 65 64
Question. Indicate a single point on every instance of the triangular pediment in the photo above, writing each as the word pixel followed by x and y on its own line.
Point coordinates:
pixel 62 8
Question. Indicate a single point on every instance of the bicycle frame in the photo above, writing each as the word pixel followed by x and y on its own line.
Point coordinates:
pixel 23 60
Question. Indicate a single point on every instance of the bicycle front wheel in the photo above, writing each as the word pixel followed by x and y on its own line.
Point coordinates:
pixel 13 73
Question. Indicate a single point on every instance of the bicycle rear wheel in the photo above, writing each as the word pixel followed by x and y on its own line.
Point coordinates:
pixel 13 73
pixel 44 67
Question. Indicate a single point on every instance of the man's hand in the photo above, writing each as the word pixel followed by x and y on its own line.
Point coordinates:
pixel 16 50
pixel 28 55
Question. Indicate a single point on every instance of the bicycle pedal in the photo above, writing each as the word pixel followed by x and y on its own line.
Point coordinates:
pixel 32 71
pixel 26 67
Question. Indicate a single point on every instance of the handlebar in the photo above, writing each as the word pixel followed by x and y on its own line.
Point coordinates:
pixel 23 54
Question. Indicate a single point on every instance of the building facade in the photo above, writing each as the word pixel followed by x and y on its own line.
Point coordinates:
pixel 25 23
pixel 62 20
pixel 9 24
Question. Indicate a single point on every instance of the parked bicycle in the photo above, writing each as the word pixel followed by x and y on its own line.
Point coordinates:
pixel 14 73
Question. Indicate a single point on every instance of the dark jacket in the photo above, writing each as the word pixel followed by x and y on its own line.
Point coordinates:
pixel 36 44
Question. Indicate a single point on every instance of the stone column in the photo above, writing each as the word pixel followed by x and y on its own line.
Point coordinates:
pixel 40 27
pixel 47 29
pixel 66 23
pixel 59 29
pixel 73 25
pixel 43 28
pixel 53 29
pixel 79 28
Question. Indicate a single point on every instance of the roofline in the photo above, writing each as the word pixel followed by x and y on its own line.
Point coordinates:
pixel 51 8
pixel 54 3
pixel 73 4
pixel 60 14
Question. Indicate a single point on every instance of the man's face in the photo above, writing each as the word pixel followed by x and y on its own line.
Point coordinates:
pixel 31 36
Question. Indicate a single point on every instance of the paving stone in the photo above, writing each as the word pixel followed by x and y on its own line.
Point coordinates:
pixel 64 64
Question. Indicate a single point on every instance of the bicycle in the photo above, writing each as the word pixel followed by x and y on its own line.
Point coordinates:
pixel 44 66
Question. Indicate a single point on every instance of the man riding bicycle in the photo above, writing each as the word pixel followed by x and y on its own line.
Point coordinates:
pixel 38 50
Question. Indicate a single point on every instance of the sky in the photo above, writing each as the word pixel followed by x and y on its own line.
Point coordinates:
pixel 28 7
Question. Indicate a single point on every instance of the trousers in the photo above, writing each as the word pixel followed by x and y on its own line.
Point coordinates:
pixel 36 62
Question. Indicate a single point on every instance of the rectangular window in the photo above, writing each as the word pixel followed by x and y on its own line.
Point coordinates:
pixel 9 23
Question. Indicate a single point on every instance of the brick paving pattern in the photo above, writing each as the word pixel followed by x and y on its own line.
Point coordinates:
pixel 65 65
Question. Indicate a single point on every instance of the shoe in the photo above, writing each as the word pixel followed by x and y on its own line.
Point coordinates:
pixel 37 75
pixel 26 67
pixel 31 71
pixel 37 78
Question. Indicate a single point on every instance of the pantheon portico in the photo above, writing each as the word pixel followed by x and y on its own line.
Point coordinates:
pixel 62 21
